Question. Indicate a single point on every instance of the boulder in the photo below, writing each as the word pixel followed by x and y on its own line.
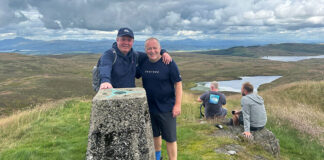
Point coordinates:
pixel 264 138
pixel 120 126
pixel 267 140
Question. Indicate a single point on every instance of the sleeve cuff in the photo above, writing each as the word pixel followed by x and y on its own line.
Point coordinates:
pixel 163 51
pixel 103 80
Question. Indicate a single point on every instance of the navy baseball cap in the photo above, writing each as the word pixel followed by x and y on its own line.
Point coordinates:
pixel 125 32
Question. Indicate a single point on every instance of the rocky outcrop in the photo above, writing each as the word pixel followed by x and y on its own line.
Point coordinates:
pixel 120 126
pixel 265 138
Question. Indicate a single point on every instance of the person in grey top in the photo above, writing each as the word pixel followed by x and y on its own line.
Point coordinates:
pixel 213 102
pixel 253 114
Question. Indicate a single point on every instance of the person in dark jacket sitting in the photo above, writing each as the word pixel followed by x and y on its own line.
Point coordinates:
pixel 117 66
pixel 213 102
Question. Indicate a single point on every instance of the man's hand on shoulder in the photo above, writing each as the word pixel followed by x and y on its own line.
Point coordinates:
pixel 166 58
pixel 105 85
pixel 176 110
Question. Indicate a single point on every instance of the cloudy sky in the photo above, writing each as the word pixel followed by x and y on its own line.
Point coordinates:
pixel 282 20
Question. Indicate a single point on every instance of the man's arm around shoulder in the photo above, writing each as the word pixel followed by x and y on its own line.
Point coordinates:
pixel 166 58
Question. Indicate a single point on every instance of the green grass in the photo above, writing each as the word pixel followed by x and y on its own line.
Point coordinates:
pixel 195 143
pixel 26 81
pixel 294 144
pixel 308 92
pixel 300 104
pixel 59 133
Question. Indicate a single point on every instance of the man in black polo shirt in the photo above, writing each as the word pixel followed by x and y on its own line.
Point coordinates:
pixel 163 86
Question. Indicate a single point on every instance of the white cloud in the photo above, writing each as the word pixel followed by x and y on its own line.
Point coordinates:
pixel 316 20
pixel 91 19
pixel 188 33
pixel 7 35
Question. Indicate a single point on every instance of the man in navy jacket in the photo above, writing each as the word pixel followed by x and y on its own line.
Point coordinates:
pixel 117 70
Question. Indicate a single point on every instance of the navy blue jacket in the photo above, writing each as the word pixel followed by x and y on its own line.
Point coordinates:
pixel 121 74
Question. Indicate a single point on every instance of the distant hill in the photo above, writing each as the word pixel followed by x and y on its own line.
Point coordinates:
pixel 284 49
pixel 207 46
pixel 27 46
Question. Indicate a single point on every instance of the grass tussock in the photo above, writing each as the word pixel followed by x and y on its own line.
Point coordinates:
pixel 300 104
pixel 189 108
pixel 51 131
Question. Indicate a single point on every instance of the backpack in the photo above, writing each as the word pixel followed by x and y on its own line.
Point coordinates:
pixel 95 71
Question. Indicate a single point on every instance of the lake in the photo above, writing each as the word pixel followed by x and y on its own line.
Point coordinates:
pixel 290 58
pixel 235 85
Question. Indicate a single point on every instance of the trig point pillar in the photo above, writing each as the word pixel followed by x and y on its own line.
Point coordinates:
pixel 120 127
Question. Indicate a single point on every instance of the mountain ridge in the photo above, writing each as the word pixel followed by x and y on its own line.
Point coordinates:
pixel 282 49
pixel 218 47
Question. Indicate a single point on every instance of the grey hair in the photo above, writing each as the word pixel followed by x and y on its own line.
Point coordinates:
pixel 152 38
pixel 214 83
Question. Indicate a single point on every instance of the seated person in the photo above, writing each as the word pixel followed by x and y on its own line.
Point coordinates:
pixel 253 114
pixel 213 102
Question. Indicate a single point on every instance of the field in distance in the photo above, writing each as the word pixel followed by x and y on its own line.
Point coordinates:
pixel 27 80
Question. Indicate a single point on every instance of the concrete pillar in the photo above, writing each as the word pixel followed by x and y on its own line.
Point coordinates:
pixel 120 126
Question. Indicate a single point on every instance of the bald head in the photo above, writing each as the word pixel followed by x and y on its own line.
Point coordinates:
pixel 153 49
pixel 152 39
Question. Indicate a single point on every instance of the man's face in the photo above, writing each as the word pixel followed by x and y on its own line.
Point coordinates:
pixel 153 49
pixel 243 91
pixel 125 44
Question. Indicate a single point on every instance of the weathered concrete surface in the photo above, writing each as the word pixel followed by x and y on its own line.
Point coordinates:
pixel 120 126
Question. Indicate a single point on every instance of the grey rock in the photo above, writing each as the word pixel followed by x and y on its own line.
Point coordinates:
pixel 231 152
pixel 120 126
pixel 268 141
pixel 234 147
pixel 264 138
pixel 230 149
pixel 221 150
pixel 258 157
